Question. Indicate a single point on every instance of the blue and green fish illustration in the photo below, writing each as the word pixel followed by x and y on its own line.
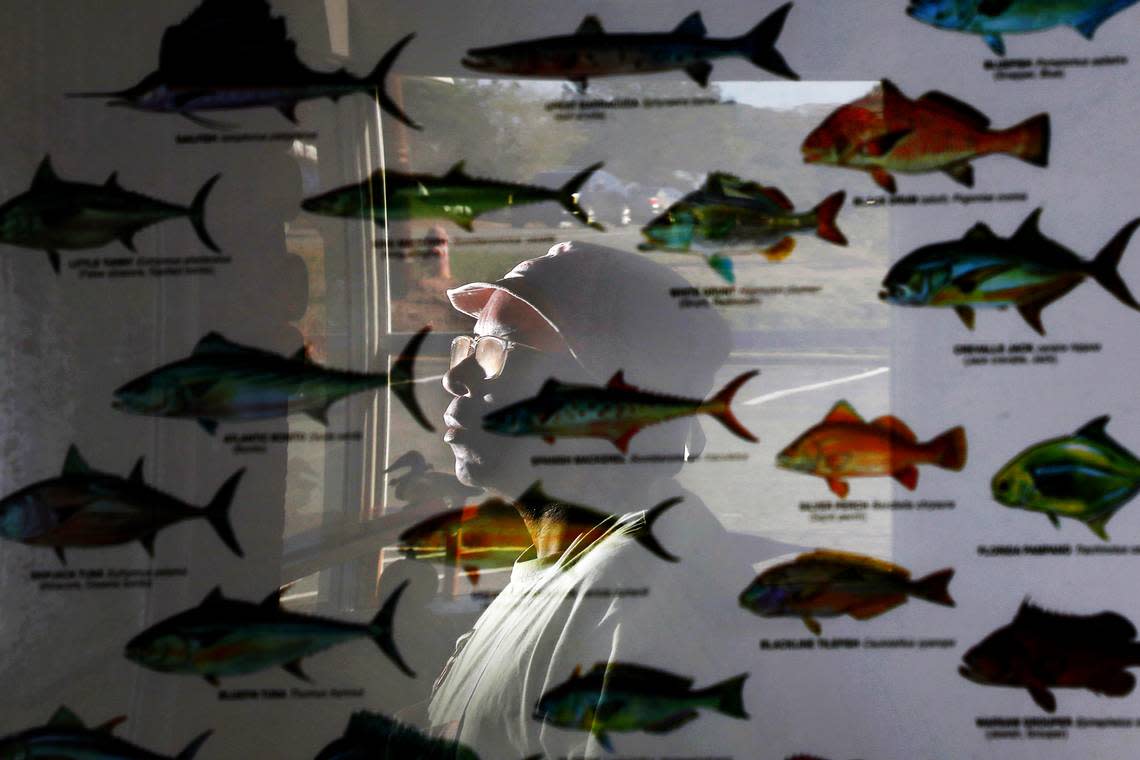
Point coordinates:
pixel 65 737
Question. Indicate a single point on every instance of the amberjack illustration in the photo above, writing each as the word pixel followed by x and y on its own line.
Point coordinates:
pixel 227 637
pixel 223 381
pixel 83 507
pixel 234 54
pixel 592 52
pixel 455 196
pixel 55 214
pixel 65 737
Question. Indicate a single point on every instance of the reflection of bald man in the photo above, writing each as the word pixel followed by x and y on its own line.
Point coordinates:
pixel 578 315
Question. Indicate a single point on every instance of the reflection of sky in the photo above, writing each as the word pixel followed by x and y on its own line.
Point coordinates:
pixel 786 95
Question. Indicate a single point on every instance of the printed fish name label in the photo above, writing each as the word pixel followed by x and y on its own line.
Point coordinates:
pixel 1057 550
pixel 939 199
pixel 901 505
pixel 849 643
pixel 245 695
pixel 596 108
pixel 690 298
pixel 93 579
pixel 1020 69
pixel 998 354
pixel 1053 727
pixel 126 267
pixel 258 443
pixel 210 138
pixel 733 456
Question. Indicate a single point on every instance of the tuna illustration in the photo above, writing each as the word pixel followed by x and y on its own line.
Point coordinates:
pixel 223 381
pixel 456 196
pixel 827 583
pixel 621 697
pixel 55 214
pixel 592 52
pixel 64 737
pixel 616 411
pixel 1086 476
pixel 993 18
pixel 234 54
pixel 1041 651
pixel 226 637
pixel 421 484
pixel 886 131
pixel 845 446
pixel 372 736
pixel 83 507
pixel 1027 271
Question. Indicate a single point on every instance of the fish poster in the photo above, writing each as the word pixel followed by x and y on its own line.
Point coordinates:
pixel 515 379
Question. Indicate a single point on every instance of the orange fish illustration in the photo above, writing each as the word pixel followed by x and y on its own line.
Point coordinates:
pixel 845 446
pixel 886 131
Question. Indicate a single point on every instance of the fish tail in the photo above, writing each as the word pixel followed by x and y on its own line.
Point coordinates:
pixel 646 538
pixel 198 213
pixel 1029 140
pixel 401 378
pixel 568 195
pixel 935 587
pixel 376 78
pixel 759 45
pixel 719 406
pixel 728 696
pixel 217 512
pixel 195 745
pixel 381 627
pixel 825 214
pixel 1104 267
pixel 949 449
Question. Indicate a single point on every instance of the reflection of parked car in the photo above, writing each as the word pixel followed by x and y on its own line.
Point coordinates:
pixel 603 197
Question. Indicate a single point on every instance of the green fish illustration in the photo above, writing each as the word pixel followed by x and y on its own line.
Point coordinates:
pixel 55 214
pixel 622 697
pixel 64 737
pixel 223 381
pixel 372 736
pixel 84 507
pixel 227 637
pixel 1086 476
pixel 616 411
pixel 456 196
pixel 1028 271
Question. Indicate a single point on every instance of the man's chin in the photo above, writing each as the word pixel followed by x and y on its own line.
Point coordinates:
pixel 496 467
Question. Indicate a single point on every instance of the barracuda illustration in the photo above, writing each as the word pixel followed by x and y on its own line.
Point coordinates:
pixel 886 132
pixel 620 697
pixel 492 534
pixel 226 637
pixel 615 412
pixel 372 736
pixel 227 382
pixel 234 54
pixel 55 214
pixel 1041 650
pixel 421 484
pixel 456 196
pixel 1027 271
pixel 87 508
pixel 1086 476
pixel 592 52
pixel 728 213
pixel 993 18
pixel 64 737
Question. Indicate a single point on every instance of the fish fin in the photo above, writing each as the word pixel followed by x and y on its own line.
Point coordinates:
pixel 53 259
pixel 774 194
pixel 108 727
pixel 136 475
pixel 590 25
pixel 722 265
pixel 457 171
pixel 45 176
pixel 576 673
pixel 402 375
pixel 1030 228
pixel 970 281
pixel 465 221
pixel 568 195
pixel 966 314
pixel 1097 525
pixel 210 426
pixel 720 406
pixel 65 718
pixel 935 587
pixel 950 449
pixel 780 250
pixel 216 343
pixel 877 607
pixel 622 441
pixel 842 412
pixel 825 213
pixel 197 213
pixel 1031 313
pixel 812 624
pixel 294 668
pixel 549 439
pixel 604 740
pixel 994 7
pixel 217 512
pixel 951 106
pixel 730 696
pixel 1044 698
pixel 699 72
pixel 472 573
pixel 979 231
pixel 995 42
pixel 212 680
pixel 884 179
pixel 376 80
pixel 1104 267
pixel 896 426
pixel 672 723
pixel 148 544
pixel 380 629
pixel 289 110
pixel 884 144
pixel 759 44
pixel 617 382
pixel 128 240
pixel 214 597
pixel 113 182
pixel 74 464
pixel 908 476
pixel 691 26
pixel 1031 140
pixel 838 487
pixel 962 173
pixel 302 355
pixel 320 415
pixel 645 536
pixel 59 553
pixel 192 748
pixel 272 600
pixel 1088 27
pixel 1116 683
pixel 580 84
pixel 1053 519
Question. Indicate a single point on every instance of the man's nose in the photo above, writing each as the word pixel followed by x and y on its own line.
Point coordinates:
pixel 463 378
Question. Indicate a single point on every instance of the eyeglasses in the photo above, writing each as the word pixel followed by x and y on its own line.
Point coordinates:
pixel 490 352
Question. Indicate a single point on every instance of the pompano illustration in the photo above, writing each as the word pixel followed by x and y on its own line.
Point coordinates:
pixel 981 270
pixel 65 737
pixel 55 214
pixel 993 18
pixel 227 637
pixel 456 196
pixel 593 52
pixel 83 507
pixel 234 54
pixel 223 381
